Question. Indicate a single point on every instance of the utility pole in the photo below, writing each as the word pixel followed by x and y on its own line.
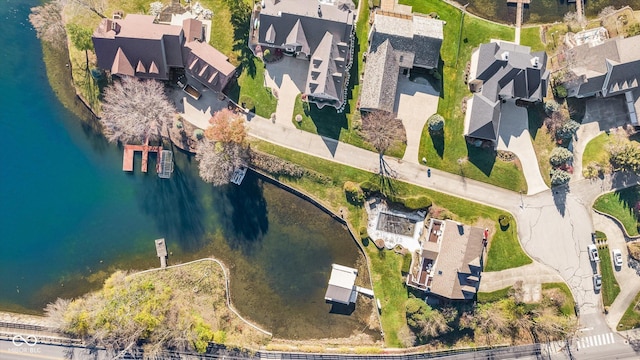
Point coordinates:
pixel 464 11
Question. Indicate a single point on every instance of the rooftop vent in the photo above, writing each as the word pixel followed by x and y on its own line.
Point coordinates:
pixel 319 11
pixel 505 56
pixel 535 62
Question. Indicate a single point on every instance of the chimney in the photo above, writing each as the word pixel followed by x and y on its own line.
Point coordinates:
pixel 505 56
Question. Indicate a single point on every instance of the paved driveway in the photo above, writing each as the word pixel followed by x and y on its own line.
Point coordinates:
pixel 415 102
pixel 600 115
pixel 514 136
pixel 287 77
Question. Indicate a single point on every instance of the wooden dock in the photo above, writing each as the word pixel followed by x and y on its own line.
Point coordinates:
pixel 161 251
pixel 129 151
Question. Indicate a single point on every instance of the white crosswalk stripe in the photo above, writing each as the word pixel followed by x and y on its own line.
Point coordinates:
pixel 595 340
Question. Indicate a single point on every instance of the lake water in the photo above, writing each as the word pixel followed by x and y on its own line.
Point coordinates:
pixel 69 215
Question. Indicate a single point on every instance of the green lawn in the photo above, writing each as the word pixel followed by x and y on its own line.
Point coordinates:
pixel 595 150
pixel 620 204
pixel 487 297
pixel 631 317
pixel 568 308
pixel 543 142
pixel 446 151
pixel 505 249
pixel 327 122
pixel 530 36
pixel 610 287
pixel 251 83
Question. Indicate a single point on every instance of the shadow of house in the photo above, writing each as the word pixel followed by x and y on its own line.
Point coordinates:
pixel 398 43
pixel 501 71
pixel 322 33
pixel 137 46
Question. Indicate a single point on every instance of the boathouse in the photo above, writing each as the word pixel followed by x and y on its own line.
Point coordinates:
pixel 342 287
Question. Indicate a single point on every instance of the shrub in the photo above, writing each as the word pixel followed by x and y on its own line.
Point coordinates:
pixel 369 187
pixel 266 54
pixel 567 130
pixel 435 123
pixel 275 165
pixel 504 220
pixel 625 156
pixel 247 102
pixel 559 177
pixel 198 133
pixel 417 203
pixel 354 193
pixel 551 106
pixel 560 156
pixel 560 91
pixel 634 249
pixel 406 263
pixel 593 170
pixel 179 125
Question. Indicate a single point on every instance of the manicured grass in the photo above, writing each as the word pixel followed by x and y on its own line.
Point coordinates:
pixel 445 152
pixel 543 142
pixel 327 122
pixel 595 151
pixel 251 83
pixel 568 308
pixel 530 36
pixel 386 269
pixel 620 204
pixel 487 297
pixel 631 317
pixel 505 251
pixel 610 287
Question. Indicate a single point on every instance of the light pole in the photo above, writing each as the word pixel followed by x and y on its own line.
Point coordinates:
pixel 464 11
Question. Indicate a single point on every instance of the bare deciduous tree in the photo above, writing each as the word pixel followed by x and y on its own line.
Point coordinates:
pixel 47 21
pixel 382 130
pixel 136 110
pixel 56 310
pixel 95 6
pixel 218 160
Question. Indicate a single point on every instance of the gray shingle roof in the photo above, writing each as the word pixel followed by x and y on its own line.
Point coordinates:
pixel 418 39
pixel 324 79
pixel 380 79
pixel 507 71
pixel 484 119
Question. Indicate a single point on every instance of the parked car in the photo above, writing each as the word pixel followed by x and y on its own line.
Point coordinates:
pixel 597 282
pixel 617 258
pixel 593 253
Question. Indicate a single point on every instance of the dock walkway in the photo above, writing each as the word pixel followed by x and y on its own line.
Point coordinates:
pixel 129 151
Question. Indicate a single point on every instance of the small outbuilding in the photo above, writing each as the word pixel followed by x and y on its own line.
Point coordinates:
pixel 342 287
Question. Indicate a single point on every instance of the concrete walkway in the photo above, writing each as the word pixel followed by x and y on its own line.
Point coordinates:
pixel 532 274
pixel 627 278
pixel 514 136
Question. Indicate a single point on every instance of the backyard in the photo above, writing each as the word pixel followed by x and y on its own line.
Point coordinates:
pixel 621 204
pixel 504 251
pixel 451 152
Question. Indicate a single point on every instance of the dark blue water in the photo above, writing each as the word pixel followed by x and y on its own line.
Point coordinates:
pixel 69 215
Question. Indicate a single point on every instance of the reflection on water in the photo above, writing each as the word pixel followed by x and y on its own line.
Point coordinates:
pixel 69 215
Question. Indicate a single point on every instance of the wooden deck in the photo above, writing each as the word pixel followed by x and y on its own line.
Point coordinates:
pixel 129 151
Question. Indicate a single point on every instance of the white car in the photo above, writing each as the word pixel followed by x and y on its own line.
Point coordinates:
pixel 617 258
pixel 597 282
pixel 593 253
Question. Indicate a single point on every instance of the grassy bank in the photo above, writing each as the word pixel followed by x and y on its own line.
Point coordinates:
pixel 543 142
pixel 595 151
pixel 620 204
pixel 568 306
pixel 487 297
pixel 386 265
pixel 530 36
pixel 631 317
pixel 610 287
pixel 451 151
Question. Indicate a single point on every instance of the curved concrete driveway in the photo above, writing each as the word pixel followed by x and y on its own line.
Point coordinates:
pixel 514 136
pixel 287 77
pixel 532 274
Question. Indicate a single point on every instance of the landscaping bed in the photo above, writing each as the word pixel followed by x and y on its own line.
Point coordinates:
pixel 622 205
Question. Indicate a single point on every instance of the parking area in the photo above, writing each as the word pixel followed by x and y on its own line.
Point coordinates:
pixel 287 77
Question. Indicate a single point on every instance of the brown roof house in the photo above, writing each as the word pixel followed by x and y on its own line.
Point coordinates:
pixel 449 261
pixel 502 71
pixel 138 46
pixel 397 44
pixel 319 31
pixel 606 68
